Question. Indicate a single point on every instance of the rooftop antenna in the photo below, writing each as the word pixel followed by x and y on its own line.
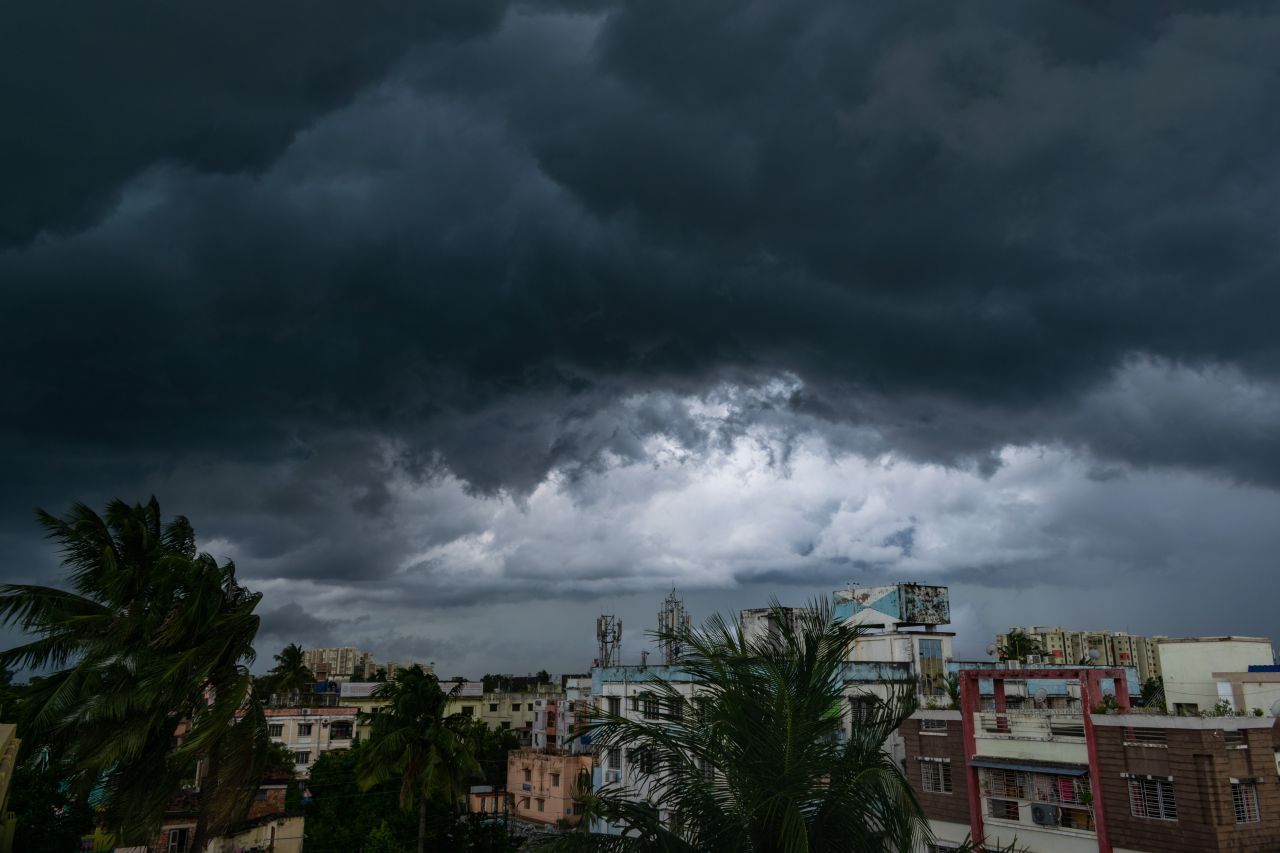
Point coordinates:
pixel 673 621
pixel 609 636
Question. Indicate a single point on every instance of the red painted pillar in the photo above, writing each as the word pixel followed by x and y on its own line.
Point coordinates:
pixel 1002 722
pixel 969 705
pixel 1090 692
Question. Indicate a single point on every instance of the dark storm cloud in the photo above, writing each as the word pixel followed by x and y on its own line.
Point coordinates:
pixel 95 93
pixel 276 264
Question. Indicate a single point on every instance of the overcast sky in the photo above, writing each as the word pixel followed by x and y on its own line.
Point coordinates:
pixel 457 324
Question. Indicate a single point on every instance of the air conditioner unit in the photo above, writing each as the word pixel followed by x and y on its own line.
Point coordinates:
pixel 1044 814
pixel 612 777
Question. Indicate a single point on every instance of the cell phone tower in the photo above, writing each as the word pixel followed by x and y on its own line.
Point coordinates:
pixel 609 636
pixel 672 622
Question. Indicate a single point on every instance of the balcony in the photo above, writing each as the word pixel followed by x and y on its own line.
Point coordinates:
pixel 1035 735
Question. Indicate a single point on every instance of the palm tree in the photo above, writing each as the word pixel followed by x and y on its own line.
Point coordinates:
pixel 291 673
pixel 152 634
pixel 1018 644
pixel 763 760
pixel 413 739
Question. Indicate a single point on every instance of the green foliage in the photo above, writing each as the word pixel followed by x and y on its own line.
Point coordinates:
pixel 413 740
pixel 760 761
pixel 953 689
pixel 343 817
pixel 1018 645
pixel 49 820
pixel 1152 695
pixel 490 748
pixel 291 676
pixel 149 628
pixel 383 840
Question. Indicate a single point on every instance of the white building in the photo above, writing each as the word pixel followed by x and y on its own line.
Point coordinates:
pixel 1188 666
pixel 308 732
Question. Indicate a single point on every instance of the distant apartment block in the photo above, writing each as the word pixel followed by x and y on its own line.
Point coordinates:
pixel 339 663
pixel 1064 647
pixel 1095 777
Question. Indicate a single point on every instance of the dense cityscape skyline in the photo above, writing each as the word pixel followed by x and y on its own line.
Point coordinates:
pixel 457 328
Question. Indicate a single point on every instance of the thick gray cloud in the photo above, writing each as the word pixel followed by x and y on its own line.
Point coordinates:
pixel 369 294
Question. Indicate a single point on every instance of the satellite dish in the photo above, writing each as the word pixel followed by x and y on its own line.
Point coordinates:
pixel 1094 654
pixel 1041 696
pixel 991 648
pixel 1275 708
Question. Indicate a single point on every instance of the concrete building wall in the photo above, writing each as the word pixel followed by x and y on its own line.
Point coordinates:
pixel 1188 666
pixel 308 732
pixel 543 784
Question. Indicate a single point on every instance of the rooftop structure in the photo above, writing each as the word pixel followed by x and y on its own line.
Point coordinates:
pixel 1096 777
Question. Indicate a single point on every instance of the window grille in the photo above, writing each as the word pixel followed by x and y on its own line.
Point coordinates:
pixel 1063 790
pixel 1146 734
pixel 1233 738
pixel 1244 797
pixel 649 706
pixel 935 777
pixel 1004 809
pixel 1010 784
pixel 1152 798
pixel 933 725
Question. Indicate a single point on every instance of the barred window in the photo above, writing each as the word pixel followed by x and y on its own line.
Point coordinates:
pixel 1009 784
pixel 1152 798
pixel 1004 809
pixel 1244 797
pixel 862 709
pixel 933 725
pixel 1146 734
pixel 649 706
pixel 935 777
pixel 615 758
pixel 275 730
pixel 1233 738
pixel 675 707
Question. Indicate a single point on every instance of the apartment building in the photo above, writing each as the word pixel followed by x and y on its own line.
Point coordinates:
pixel 1189 665
pixel 900 624
pixel 1081 779
pixel 308 732
pixel 1064 647
pixel 339 663
pixel 543 785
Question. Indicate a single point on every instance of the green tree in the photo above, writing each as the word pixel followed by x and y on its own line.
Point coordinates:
pixel 1153 692
pixel 1017 645
pixel 762 760
pixel 151 634
pixel 413 740
pixel 49 819
pixel 291 675
pixel 953 689
pixel 490 748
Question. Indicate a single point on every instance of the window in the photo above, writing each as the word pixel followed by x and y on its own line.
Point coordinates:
pixel 702 707
pixel 530 706
pixel 178 840
pixel 302 757
pixel 340 730
pixel 615 758
pixel 555 780
pixel 515 706
pixel 615 705
pixel 1235 738
pixel 506 724
pixel 524 803
pixel 1152 798
pixel 528 775
pixel 675 708
pixel 304 729
pixel 642 758
pixel 933 725
pixel 493 707
pixel 468 710
pixel 1146 735
pixel 1244 797
pixel 1003 809
pixel 542 805
pixel 935 776
pixel 862 709
pixel 649 706
pixel 275 730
